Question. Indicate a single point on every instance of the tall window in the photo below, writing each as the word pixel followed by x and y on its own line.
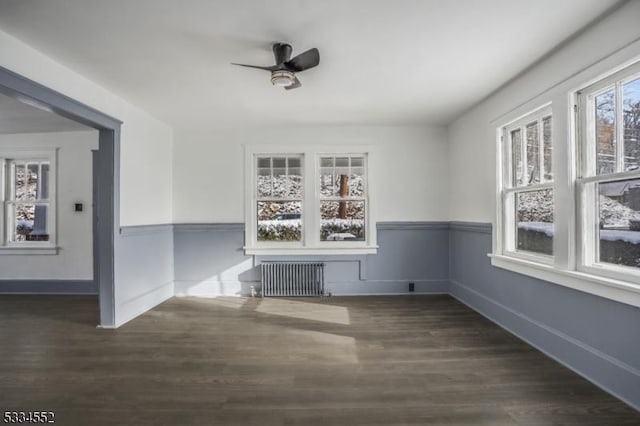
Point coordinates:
pixel 528 223
pixel 279 198
pixel 28 213
pixel 308 201
pixel 609 176
pixel 343 200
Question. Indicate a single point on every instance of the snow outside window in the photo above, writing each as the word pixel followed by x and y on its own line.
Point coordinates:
pixel 527 195
pixel 609 177
pixel 308 201
pixel 279 188
pixel 27 194
pixel 343 200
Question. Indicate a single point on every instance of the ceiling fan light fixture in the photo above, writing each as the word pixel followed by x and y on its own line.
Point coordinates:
pixel 282 78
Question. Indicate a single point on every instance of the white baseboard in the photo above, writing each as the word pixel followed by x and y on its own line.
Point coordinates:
pixel 129 309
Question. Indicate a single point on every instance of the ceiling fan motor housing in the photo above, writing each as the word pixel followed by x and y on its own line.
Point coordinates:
pixel 282 78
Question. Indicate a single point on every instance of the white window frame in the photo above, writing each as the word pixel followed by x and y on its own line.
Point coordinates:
pixel 508 190
pixel 28 247
pixel 587 178
pixel 568 268
pixel 310 243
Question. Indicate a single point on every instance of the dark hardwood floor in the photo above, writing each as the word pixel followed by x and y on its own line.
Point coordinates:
pixel 336 361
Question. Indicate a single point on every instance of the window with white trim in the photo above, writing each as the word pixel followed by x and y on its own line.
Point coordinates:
pixel 28 198
pixel 343 200
pixel 594 194
pixel 308 201
pixel 527 187
pixel 279 190
pixel 609 176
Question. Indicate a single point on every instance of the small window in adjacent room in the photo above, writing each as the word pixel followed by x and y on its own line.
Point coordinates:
pixel 28 214
pixel 527 187
pixel 609 176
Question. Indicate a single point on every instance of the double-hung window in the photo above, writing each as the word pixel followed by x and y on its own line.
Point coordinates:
pixel 343 200
pixel 28 215
pixel 279 191
pixel 609 176
pixel 527 187
pixel 579 226
pixel 309 201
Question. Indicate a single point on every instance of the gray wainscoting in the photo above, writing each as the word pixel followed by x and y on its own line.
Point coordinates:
pixel 596 337
pixel 48 287
pixel 209 261
pixel 144 269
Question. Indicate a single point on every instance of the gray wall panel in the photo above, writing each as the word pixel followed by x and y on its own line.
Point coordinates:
pixel 209 261
pixel 48 287
pixel 144 269
pixel 594 336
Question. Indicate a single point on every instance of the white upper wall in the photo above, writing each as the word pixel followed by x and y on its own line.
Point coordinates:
pixel 145 169
pixel 74 260
pixel 472 137
pixel 409 169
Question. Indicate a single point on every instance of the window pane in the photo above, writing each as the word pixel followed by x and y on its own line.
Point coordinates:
pixel 356 182
pixel 342 221
pixel 279 163
pixel 326 162
pixel 619 214
pixel 535 221
pixel 516 157
pixel 20 187
pixel 264 182
pixel 293 162
pixel 280 181
pixel 605 133
pixel 294 183
pixel 32 182
pixel 30 222
pixel 533 152
pixel 264 162
pixel 326 181
pixel 279 220
pixel 342 162
pixel 548 148
pixel 631 119
pixel 44 171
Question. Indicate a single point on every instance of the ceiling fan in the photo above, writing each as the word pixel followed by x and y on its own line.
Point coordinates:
pixel 283 72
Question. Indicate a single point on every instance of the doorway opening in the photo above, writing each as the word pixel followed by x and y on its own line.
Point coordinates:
pixel 104 178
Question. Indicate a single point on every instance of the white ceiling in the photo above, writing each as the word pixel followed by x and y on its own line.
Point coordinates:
pixel 18 117
pixel 382 62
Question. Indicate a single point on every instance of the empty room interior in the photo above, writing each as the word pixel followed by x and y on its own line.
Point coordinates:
pixel 320 212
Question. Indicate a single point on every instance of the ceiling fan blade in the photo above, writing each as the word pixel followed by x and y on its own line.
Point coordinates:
pixel 282 52
pixel 304 61
pixel 295 85
pixel 271 68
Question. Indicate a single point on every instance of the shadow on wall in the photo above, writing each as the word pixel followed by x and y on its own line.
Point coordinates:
pixel 209 261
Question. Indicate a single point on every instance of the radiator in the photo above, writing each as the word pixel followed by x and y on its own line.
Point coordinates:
pixel 292 279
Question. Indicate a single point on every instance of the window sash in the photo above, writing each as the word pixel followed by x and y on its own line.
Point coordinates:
pixel 511 186
pixel 19 157
pixel 587 199
pixel 510 178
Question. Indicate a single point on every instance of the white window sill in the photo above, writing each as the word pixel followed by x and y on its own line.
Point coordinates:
pixel 620 291
pixel 303 251
pixel 15 250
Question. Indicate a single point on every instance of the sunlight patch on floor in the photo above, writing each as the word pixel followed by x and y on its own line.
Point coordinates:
pixel 304 310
